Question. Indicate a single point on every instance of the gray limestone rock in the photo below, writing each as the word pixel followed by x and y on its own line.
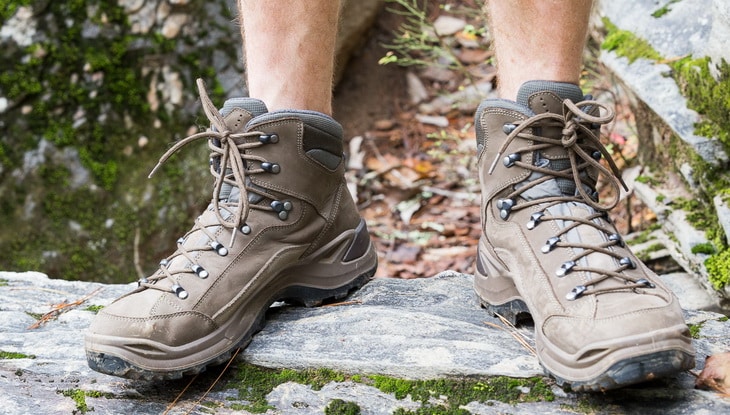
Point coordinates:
pixel 418 329
pixel 685 29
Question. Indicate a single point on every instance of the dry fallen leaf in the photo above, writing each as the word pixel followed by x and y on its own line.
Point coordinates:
pixel 716 374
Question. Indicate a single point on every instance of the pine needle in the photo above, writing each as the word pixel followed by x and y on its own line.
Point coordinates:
pixel 512 330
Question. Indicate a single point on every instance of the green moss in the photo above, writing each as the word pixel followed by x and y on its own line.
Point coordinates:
pixel 627 44
pixel 718 268
pixel 254 383
pixel 94 308
pixel 706 248
pixel 3 283
pixel 87 96
pixel 584 405
pixel 647 180
pixel 8 8
pixel 694 330
pixel 463 391
pixel 79 397
pixel 699 213
pixel 645 235
pixel 14 355
pixel 36 316
pixel 664 9
pixel 706 94
pixel 645 254
pixel 341 407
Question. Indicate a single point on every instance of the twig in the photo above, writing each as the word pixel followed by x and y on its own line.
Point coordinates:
pixel 512 330
pixel 341 303
pixel 215 381
pixel 451 194
pixel 179 395
pixel 58 309
pixel 137 266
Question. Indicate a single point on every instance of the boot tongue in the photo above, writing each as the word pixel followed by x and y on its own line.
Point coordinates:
pixel 548 96
pixel 545 96
pixel 541 97
pixel 252 108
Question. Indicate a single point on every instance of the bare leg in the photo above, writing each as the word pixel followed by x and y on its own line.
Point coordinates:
pixel 290 52
pixel 538 40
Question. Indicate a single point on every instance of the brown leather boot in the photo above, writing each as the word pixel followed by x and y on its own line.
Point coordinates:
pixel 548 248
pixel 281 226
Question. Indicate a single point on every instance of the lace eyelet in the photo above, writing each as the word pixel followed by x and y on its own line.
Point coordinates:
pixel 505 207
pixel 550 244
pixel 510 160
pixel 282 208
pixel 576 292
pixel 614 237
pixel 219 248
pixel 627 262
pixel 646 283
pixel 565 268
pixel 200 271
pixel 269 138
pixel 245 229
pixel 271 167
pixel 535 219
pixel 179 291
pixel 508 128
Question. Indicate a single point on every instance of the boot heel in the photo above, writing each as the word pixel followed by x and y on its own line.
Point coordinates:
pixel 498 294
pixel 513 311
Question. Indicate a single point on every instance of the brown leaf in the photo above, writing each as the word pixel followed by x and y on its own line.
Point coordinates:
pixel 716 374
pixel 405 254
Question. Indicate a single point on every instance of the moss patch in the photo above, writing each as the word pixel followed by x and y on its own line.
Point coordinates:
pixel 94 308
pixel 15 355
pixel 341 407
pixel 79 397
pixel 80 93
pixel 627 44
pixel 718 268
pixel 706 94
pixel 706 248
pixel 707 90
pixel 254 383
pixel 664 9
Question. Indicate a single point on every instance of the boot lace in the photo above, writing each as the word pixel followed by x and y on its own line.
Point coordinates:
pixel 233 165
pixel 578 122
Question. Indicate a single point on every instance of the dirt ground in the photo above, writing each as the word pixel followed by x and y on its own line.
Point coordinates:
pixel 415 182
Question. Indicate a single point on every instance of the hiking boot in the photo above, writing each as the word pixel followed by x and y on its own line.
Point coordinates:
pixel 549 250
pixel 281 226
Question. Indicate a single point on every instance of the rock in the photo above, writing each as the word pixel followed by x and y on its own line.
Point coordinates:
pixel 466 100
pixel 416 90
pixel 416 329
pixel 435 120
pixel 130 72
pixel 716 46
pixel 356 19
pixel 692 295
pixel 448 25
pixel 672 35
pixel 723 213
pixel 430 327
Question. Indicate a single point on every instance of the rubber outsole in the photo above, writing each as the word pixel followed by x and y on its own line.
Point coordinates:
pixel 310 297
pixel 621 374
